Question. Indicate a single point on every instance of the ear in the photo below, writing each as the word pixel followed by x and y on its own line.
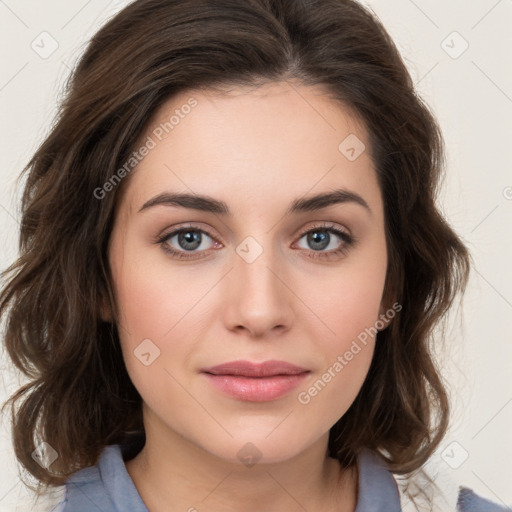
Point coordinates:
pixel 386 314
pixel 388 306
pixel 105 313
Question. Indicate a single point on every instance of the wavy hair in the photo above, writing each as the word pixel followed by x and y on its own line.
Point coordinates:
pixel 79 397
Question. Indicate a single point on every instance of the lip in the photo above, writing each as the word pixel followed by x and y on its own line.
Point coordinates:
pixel 250 369
pixel 255 382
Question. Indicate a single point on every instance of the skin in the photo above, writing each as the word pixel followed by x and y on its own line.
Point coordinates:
pixel 257 149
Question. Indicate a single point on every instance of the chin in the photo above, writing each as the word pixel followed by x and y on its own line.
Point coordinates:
pixel 250 448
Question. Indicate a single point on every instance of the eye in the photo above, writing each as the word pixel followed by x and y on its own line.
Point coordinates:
pixel 320 238
pixel 187 240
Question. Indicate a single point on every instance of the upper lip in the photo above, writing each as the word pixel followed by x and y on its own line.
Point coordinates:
pixel 250 369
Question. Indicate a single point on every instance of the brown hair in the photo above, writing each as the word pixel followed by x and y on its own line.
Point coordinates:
pixel 79 397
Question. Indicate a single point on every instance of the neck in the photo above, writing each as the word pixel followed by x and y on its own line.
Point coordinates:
pixel 172 473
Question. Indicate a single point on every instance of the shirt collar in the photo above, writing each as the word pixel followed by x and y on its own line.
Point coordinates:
pixel 378 490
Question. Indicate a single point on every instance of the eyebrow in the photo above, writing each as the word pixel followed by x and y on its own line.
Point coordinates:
pixel 211 205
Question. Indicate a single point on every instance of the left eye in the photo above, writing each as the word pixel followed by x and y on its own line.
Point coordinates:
pixel 321 238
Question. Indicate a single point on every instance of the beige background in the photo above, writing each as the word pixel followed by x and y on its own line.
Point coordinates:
pixel 470 91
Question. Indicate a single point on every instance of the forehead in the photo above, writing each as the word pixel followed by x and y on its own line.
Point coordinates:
pixel 249 143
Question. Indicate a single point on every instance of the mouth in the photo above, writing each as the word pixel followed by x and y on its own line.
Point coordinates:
pixel 255 382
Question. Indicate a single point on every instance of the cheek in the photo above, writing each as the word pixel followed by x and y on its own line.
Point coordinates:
pixel 155 299
pixel 156 330
pixel 330 394
pixel 348 300
pixel 347 349
pixel 347 306
pixel 165 306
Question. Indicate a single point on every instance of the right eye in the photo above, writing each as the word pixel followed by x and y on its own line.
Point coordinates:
pixel 188 241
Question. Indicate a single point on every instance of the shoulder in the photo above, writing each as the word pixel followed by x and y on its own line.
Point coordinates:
pixel 106 486
pixel 379 491
pixel 469 501
pixel 87 488
pixel 445 495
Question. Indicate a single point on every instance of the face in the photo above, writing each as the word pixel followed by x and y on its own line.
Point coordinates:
pixel 257 273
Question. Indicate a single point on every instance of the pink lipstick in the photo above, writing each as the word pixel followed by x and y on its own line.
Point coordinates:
pixel 255 382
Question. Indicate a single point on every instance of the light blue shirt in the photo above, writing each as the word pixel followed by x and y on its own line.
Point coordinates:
pixel 107 487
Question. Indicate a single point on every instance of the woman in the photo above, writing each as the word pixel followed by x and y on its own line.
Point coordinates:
pixel 231 267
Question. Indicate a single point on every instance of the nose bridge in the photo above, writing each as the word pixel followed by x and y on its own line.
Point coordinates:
pixel 256 266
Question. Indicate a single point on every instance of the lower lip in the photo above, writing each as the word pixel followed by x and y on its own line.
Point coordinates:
pixel 256 389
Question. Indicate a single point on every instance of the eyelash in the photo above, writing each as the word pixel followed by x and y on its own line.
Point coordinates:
pixel 348 242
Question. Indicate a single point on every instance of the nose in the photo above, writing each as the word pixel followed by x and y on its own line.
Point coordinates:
pixel 258 298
